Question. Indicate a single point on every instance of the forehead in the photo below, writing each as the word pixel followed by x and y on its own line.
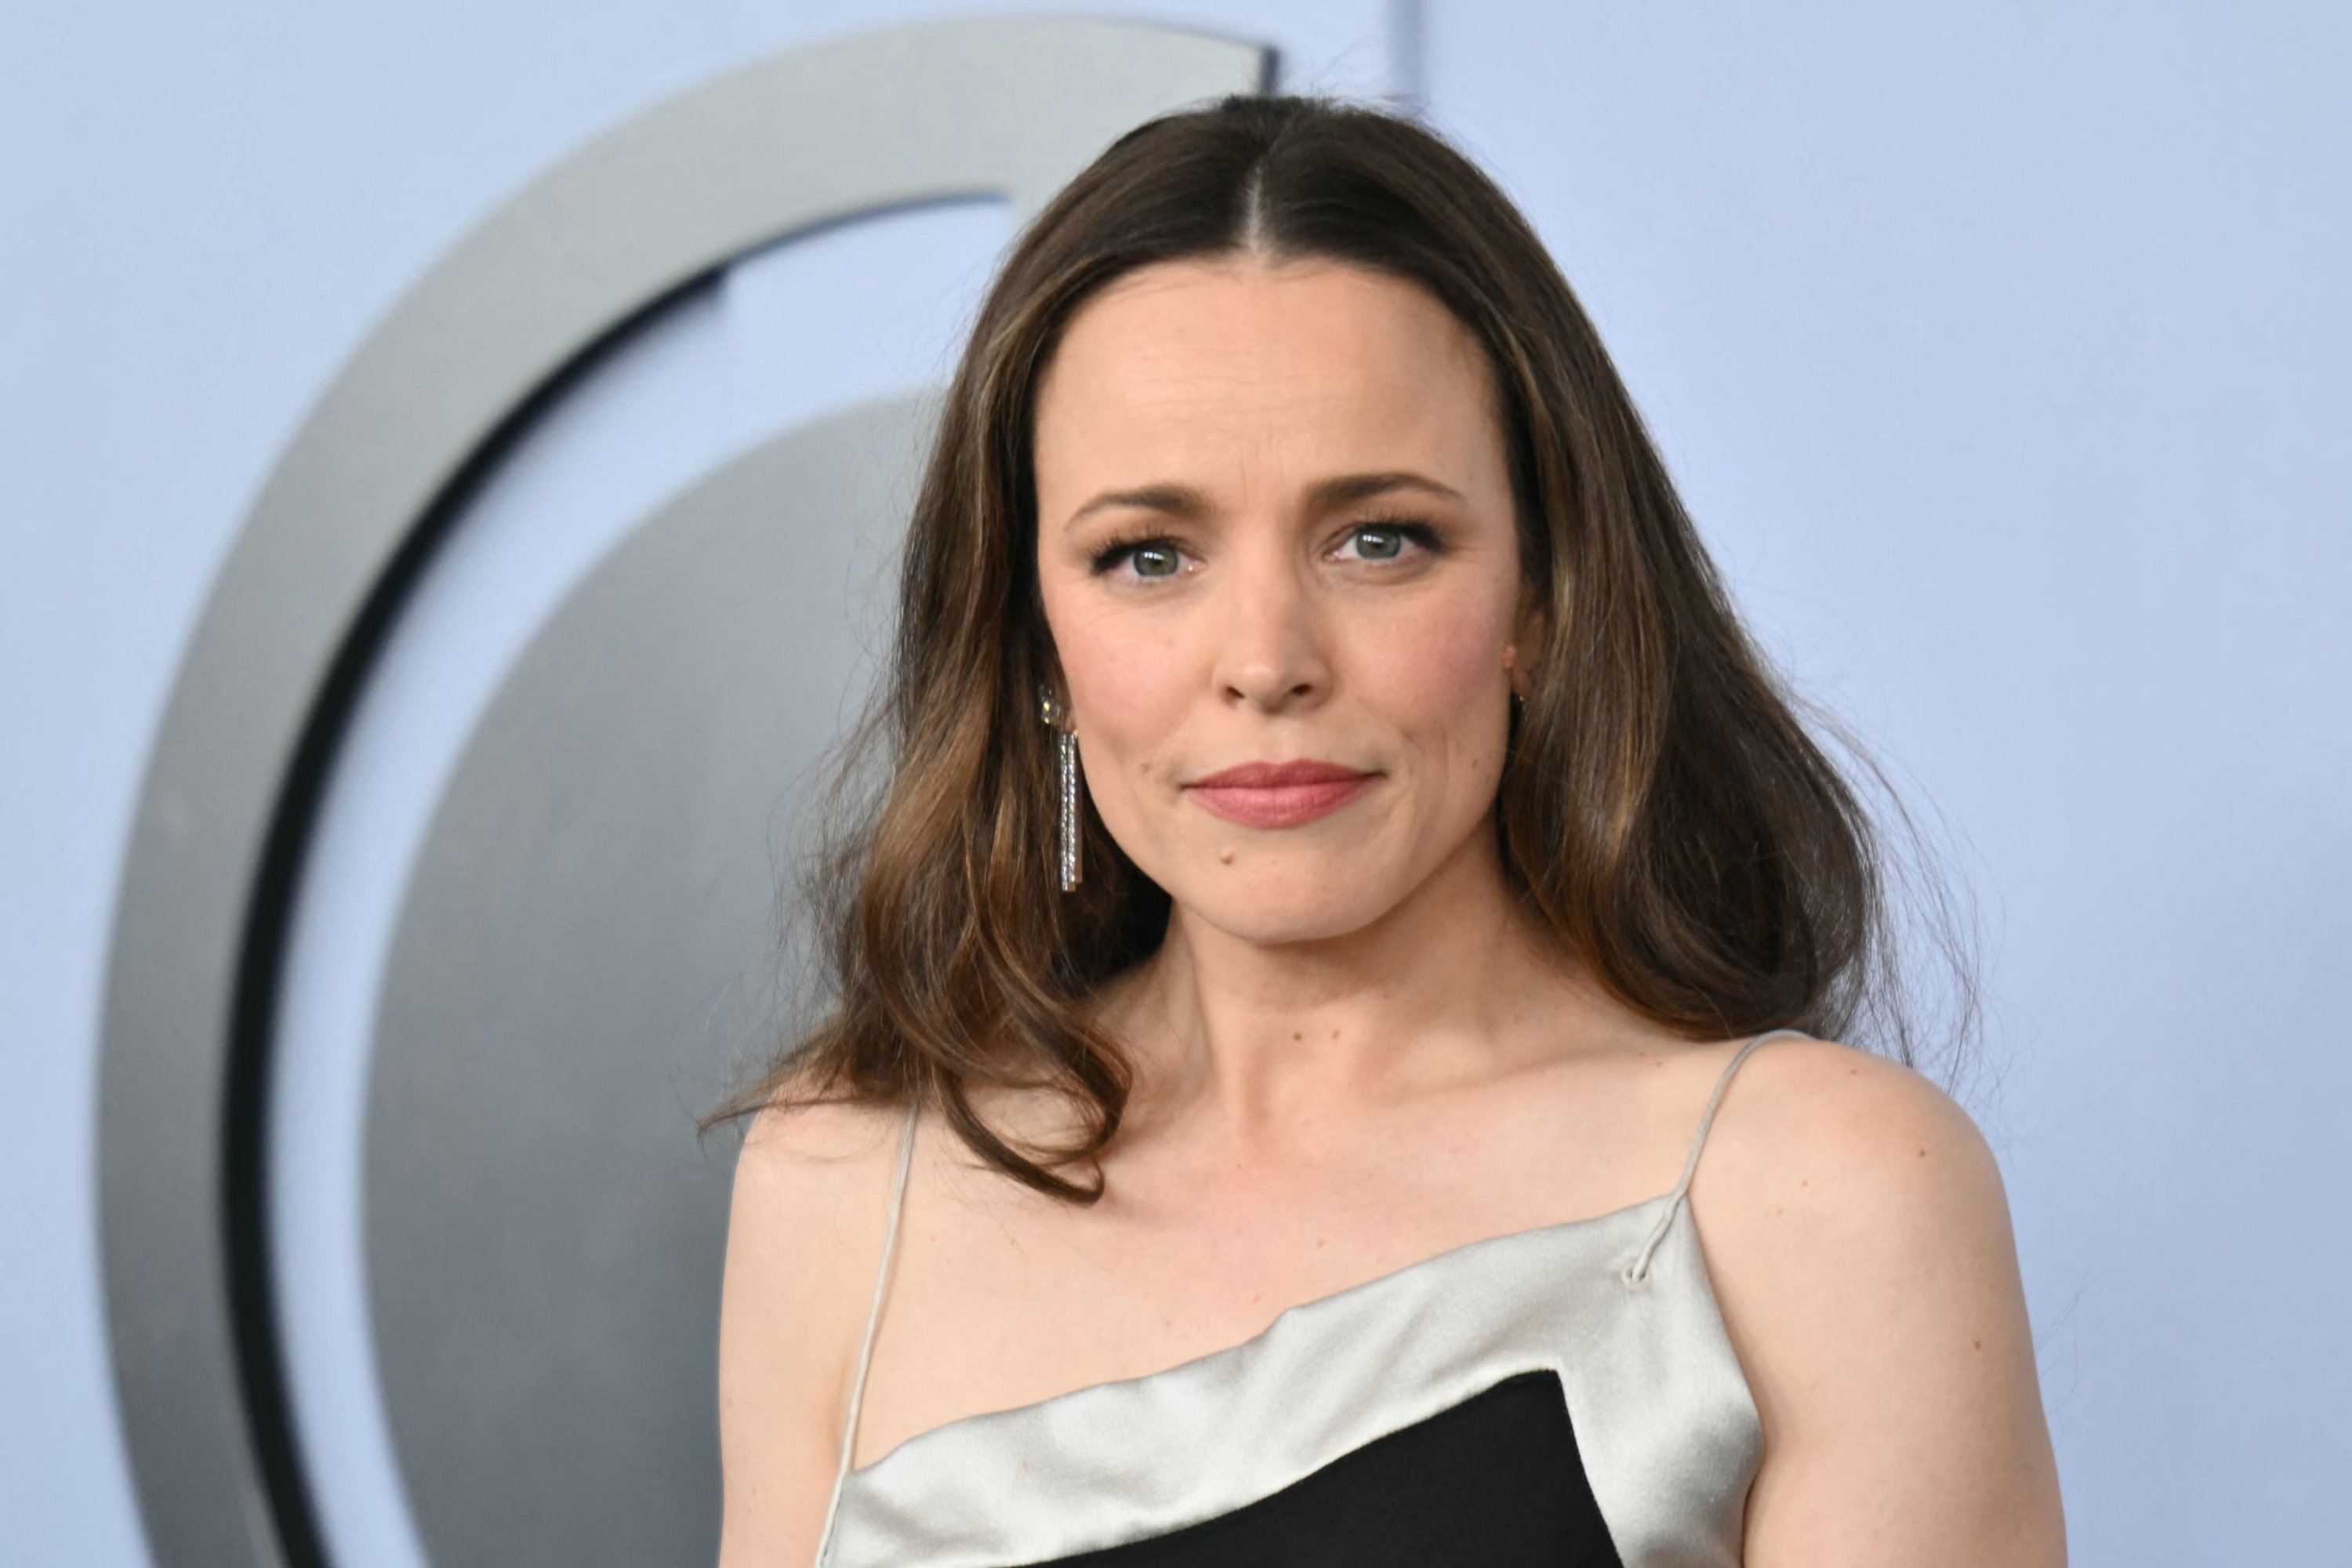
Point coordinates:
pixel 1232 369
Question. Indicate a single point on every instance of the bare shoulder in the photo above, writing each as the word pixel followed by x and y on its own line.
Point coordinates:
pixel 812 1153
pixel 811 1186
pixel 1858 1238
pixel 1840 1137
pixel 804 1240
pixel 1834 1175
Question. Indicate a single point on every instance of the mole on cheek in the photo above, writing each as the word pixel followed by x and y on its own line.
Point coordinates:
pixel 1226 857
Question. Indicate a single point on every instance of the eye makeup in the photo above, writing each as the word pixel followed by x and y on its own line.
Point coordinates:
pixel 1417 531
pixel 1116 552
pixel 1157 557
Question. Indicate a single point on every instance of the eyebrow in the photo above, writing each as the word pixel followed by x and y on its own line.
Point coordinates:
pixel 1346 490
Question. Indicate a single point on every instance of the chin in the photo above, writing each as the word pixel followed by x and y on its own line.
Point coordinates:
pixel 1290 904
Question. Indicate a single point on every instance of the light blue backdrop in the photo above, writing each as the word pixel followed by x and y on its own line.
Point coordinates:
pixel 1999 350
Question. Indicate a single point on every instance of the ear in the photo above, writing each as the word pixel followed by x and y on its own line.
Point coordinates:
pixel 1052 702
pixel 1053 708
pixel 1531 627
pixel 1051 698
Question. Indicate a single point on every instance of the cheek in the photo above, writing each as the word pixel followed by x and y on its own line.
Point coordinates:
pixel 1131 683
pixel 1437 672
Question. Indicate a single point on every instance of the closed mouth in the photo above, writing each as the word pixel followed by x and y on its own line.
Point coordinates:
pixel 1279 795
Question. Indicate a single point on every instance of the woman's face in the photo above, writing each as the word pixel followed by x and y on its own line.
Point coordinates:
pixel 1274 531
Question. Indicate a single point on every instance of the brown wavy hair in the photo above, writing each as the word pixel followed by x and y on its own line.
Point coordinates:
pixel 1662 806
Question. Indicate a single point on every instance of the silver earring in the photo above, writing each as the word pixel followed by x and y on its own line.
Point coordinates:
pixel 1066 772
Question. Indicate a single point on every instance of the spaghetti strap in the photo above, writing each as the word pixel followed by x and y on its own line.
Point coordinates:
pixel 873 1324
pixel 1637 1272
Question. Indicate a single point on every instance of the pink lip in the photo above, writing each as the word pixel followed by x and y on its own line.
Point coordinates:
pixel 1279 795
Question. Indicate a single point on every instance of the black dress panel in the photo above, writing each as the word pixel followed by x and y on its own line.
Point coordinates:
pixel 1493 1482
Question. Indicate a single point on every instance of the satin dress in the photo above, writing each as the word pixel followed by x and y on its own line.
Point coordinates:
pixel 1564 1397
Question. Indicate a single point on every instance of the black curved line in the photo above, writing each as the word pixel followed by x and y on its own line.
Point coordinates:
pixel 275 1442
pixel 272 1434
pixel 274 1438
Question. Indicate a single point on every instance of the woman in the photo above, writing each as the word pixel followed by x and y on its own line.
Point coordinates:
pixel 1339 864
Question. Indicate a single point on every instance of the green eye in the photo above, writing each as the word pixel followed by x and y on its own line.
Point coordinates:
pixel 1143 557
pixel 1379 544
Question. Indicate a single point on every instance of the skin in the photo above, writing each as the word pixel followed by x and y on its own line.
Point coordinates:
pixel 1353 1051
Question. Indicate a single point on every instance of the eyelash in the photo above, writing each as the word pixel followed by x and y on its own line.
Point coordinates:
pixel 1114 552
pixel 1417 531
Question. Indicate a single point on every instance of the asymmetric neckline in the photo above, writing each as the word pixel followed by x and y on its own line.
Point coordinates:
pixel 1392 1277
pixel 1392 1397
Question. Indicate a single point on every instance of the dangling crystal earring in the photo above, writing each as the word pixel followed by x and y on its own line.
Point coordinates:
pixel 1065 771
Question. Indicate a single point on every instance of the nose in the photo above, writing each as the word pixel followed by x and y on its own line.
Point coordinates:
pixel 1272 655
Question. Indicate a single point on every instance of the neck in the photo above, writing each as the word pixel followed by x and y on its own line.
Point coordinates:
pixel 1275 1041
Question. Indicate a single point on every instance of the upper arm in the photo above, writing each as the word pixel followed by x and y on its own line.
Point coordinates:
pixel 803 1236
pixel 1858 1237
